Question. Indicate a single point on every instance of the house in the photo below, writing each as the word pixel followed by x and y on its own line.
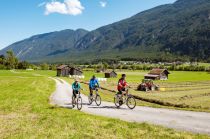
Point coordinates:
pixel 110 74
pixel 65 70
pixel 157 74
pixel 75 71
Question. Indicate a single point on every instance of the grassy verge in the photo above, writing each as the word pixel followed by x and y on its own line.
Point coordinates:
pixel 25 113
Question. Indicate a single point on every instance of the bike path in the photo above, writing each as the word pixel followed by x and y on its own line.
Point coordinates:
pixel 197 122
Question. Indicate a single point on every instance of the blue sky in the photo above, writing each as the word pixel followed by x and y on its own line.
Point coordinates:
pixel 20 19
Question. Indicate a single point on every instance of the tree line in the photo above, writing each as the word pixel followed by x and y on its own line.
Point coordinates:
pixel 10 61
pixel 146 67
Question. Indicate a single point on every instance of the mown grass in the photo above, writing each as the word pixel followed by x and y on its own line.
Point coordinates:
pixel 25 113
pixel 192 86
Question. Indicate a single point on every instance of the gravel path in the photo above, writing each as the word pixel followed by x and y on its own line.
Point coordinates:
pixel 197 122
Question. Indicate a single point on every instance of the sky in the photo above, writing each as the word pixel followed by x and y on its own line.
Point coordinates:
pixel 20 19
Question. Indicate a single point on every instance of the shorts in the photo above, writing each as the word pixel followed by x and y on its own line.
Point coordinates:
pixel 120 91
pixel 75 92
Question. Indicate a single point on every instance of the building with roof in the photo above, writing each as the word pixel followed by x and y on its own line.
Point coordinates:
pixel 65 70
pixel 110 74
pixel 157 74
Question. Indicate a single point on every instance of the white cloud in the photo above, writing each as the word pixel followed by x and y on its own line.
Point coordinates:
pixel 103 4
pixel 41 4
pixel 70 7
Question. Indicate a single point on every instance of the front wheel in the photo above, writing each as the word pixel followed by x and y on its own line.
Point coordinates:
pixel 98 100
pixel 131 102
pixel 79 103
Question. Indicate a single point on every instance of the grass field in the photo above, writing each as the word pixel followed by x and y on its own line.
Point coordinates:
pixel 182 88
pixel 25 113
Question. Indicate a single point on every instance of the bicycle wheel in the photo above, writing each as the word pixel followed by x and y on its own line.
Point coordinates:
pixel 73 101
pixel 90 99
pixel 116 101
pixel 98 100
pixel 79 103
pixel 131 102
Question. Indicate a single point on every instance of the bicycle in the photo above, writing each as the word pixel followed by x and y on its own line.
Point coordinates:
pixel 77 101
pixel 121 99
pixel 96 98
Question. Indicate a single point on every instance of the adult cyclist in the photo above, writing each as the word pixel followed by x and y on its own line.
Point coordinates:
pixel 76 87
pixel 122 84
pixel 93 84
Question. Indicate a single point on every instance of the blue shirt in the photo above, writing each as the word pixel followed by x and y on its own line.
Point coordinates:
pixel 93 83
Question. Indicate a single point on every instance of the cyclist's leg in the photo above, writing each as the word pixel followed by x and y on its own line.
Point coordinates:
pixel 120 92
pixel 91 91
pixel 124 92
pixel 74 95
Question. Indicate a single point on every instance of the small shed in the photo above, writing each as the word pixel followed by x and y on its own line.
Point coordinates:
pixel 110 74
pixel 100 70
pixel 157 74
pixel 75 71
pixel 63 70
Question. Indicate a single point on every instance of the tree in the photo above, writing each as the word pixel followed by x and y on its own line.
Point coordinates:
pixel 11 60
pixel 2 59
pixel 23 65
pixel 44 66
pixel 105 65
pixel 52 67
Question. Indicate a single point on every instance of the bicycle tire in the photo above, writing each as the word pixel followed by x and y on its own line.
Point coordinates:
pixel 90 99
pixel 132 100
pixel 116 101
pixel 73 102
pixel 79 103
pixel 98 100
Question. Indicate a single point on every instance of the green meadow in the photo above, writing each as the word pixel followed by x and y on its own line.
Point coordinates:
pixel 25 112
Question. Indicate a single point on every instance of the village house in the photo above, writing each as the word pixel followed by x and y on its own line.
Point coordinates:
pixel 157 74
pixel 65 70
pixel 110 74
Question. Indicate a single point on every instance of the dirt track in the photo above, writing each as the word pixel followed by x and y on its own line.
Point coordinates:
pixel 198 122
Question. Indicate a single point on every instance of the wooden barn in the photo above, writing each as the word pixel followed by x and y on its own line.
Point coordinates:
pixel 110 74
pixel 63 70
pixel 157 74
pixel 100 70
pixel 75 71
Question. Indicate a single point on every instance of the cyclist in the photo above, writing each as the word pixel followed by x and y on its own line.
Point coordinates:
pixel 76 87
pixel 93 84
pixel 122 84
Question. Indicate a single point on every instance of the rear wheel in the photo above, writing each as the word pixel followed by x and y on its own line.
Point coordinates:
pixel 117 101
pixel 79 103
pixel 90 99
pixel 98 100
pixel 73 101
pixel 131 102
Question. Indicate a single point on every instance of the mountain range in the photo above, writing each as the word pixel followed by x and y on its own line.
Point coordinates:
pixel 178 31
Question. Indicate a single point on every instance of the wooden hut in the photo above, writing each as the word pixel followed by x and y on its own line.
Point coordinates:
pixel 63 70
pixel 100 70
pixel 110 74
pixel 157 74
pixel 75 71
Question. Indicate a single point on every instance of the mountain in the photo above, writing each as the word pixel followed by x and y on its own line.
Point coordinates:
pixel 174 31
pixel 39 47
